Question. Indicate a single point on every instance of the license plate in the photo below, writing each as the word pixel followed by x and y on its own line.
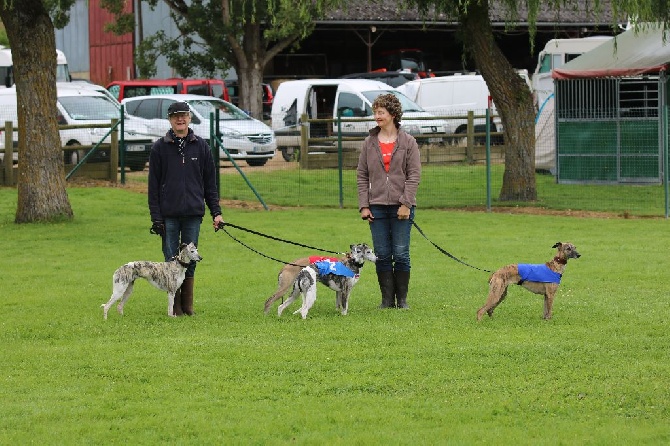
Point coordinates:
pixel 434 140
pixel 258 149
pixel 134 148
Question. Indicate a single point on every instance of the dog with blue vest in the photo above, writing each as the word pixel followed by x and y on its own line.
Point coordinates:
pixel 537 278
pixel 340 275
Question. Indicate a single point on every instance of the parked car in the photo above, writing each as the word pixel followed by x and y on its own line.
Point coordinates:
pixel 174 85
pixel 244 137
pixel 85 106
pixel 268 96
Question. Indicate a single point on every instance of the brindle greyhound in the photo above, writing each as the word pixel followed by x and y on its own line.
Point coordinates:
pixel 286 278
pixel 338 276
pixel 539 279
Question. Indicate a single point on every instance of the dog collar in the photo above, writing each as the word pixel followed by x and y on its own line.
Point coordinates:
pixel 557 259
pixel 185 265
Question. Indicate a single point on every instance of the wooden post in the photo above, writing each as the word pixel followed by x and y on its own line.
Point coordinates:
pixel 9 153
pixel 304 142
pixel 114 154
pixel 469 150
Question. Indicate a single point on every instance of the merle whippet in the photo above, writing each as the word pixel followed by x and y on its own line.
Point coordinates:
pixel 167 276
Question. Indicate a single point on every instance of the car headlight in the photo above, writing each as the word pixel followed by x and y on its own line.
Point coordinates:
pixel 413 129
pixel 232 134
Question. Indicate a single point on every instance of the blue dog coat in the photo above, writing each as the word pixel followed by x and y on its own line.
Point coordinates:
pixel 538 273
pixel 328 266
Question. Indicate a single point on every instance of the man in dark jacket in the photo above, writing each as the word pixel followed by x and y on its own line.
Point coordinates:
pixel 182 179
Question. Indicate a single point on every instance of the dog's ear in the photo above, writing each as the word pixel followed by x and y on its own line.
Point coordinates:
pixel 351 247
pixel 182 246
pixel 557 245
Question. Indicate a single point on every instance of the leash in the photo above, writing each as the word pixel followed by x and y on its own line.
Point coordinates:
pixel 451 256
pixel 222 226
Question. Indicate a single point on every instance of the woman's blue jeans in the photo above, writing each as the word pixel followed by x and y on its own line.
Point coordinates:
pixel 390 238
pixel 181 230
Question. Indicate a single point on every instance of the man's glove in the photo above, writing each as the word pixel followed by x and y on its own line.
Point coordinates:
pixel 158 228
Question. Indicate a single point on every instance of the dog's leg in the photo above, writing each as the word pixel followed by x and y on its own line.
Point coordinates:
pixel 289 301
pixel 345 301
pixel 308 299
pixel 170 309
pixel 338 300
pixel 502 297
pixel 497 287
pixel 126 296
pixel 548 303
pixel 116 295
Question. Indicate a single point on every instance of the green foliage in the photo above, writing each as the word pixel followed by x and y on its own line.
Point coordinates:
pixel 59 11
pixel 4 41
pixel 595 374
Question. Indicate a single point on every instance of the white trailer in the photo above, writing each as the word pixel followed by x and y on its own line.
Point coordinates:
pixel 7 67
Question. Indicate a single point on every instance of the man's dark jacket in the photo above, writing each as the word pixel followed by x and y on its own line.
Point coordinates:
pixel 180 184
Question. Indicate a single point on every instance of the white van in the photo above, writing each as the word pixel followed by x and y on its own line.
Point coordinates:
pixel 451 95
pixel 82 107
pixel 456 95
pixel 556 53
pixel 7 67
pixel 352 98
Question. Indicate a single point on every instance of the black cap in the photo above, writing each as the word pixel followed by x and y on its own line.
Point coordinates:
pixel 178 107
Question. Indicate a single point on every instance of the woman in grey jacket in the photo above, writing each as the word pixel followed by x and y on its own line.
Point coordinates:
pixel 388 175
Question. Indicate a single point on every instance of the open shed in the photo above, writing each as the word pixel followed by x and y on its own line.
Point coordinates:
pixel 610 108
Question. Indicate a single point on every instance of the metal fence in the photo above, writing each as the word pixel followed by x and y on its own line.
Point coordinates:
pixel 450 177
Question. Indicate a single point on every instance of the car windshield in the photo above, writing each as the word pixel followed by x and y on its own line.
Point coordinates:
pixel 89 108
pixel 227 111
pixel 406 103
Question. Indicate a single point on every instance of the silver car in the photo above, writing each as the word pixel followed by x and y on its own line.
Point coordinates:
pixel 243 137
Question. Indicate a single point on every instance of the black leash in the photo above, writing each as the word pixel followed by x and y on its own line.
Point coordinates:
pixel 224 224
pixel 445 252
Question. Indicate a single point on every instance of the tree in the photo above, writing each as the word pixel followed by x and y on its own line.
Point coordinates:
pixel 41 177
pixel 219 34
pixel 511 96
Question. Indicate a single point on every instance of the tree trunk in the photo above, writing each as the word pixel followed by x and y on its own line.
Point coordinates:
pixel 513 101
pixel 250 74
pixel 41 176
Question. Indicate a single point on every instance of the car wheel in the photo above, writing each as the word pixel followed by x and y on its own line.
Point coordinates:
pixel 74 156
pixel 290 154
pixel 257 162
pixel 136 166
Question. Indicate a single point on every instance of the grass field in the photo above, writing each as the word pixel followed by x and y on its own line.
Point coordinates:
pixel 596 374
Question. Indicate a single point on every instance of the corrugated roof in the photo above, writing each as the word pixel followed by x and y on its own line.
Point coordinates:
pixel 392 11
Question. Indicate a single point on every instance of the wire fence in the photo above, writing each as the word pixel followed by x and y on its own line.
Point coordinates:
pixel 455 172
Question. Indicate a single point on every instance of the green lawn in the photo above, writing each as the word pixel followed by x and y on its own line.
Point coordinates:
pixel 597 373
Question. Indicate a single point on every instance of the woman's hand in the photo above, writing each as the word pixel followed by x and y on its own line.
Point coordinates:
pixel 366 214
pixel 403 212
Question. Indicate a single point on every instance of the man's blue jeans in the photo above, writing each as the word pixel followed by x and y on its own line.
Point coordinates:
pixel 390 238
pixel 181 230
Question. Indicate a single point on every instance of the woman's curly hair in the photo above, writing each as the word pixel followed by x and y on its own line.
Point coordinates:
pixel 391 103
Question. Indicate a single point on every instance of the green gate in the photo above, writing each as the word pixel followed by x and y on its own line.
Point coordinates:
pixel 610 130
